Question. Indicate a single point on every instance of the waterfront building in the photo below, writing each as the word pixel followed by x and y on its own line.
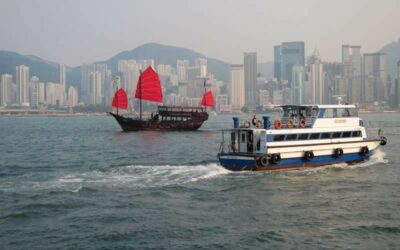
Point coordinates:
pixel 375 70
pixel 316 79
pixel 250 79
pixel 277 62
pixel 298 84
pixel 351 60
pixel 22 80
pixel 63 75
pixel 6 90
pixel 181 66
pixel 291 53
pixel 201 63
pixel 72 96
pixel 236 87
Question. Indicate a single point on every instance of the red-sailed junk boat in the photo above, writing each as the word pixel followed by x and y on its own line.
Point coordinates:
pixel 168 117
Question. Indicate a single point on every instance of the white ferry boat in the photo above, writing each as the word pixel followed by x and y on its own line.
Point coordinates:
pixel 305 136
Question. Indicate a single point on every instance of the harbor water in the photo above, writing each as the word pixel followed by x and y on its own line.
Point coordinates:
pixel 81 183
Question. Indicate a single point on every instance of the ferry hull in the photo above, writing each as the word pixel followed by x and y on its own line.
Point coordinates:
pixel 250 163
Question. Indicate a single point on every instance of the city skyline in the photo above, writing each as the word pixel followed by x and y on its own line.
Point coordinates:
pixel 319 25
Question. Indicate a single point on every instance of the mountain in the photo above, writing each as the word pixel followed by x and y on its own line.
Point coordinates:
pixel 45 70
pixel 392 51
pixel 164 54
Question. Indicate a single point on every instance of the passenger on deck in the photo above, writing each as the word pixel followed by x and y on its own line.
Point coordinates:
pixel 254 120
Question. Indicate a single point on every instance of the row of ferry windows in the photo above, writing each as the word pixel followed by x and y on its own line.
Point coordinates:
pixel 315 136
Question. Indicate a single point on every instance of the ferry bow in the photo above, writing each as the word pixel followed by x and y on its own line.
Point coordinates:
pixel 305 136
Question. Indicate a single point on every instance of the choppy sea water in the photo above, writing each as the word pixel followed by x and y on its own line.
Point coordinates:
pixel 80 183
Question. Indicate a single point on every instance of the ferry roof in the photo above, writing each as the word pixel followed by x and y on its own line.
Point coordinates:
pixel 320 106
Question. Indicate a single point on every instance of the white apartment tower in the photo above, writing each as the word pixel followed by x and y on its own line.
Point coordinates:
pixel 22 79
pixel 236 88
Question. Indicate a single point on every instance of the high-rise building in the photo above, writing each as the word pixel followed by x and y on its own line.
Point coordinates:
pixel 63 76
pixel 298 84
pixel 375 68
pixel 291 53
pixel 277 62
pixel 202 64
pixel 316 79
pixel 6 90
pixel 181 66
pixel 72 96
pixel 34 91
pixel 22 80
pixel 250 80
pixel 351 60
pixel 236 87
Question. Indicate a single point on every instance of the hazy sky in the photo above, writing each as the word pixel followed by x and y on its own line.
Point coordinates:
pixel 82 31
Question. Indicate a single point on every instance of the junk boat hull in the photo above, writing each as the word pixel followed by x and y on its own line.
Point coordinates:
pixel 324 135
pixel 129 124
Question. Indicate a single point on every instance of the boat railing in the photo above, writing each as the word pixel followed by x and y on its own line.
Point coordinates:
pixel 373 133
pixel 296 122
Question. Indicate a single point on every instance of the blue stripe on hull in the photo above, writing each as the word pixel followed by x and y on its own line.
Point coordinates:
pixel 241 164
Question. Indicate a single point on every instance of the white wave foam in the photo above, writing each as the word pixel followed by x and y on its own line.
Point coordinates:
pixel 145 176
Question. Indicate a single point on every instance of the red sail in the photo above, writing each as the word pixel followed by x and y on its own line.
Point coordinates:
pixel 208 99
pixel 120 99
pixel 149 86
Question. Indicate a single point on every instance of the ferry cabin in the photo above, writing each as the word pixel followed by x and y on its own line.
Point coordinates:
pixel 305 136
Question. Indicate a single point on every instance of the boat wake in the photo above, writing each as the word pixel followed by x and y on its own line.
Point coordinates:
pixel 140 176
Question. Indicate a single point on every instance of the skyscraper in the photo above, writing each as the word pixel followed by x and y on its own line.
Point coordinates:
pixel 316 79
pixel 291 53
pixel 22 79
pixel 202 64
pixel 375 70
pixel 250 79
pixel 6 90
pixel 351 59
pixel 277 62
pixel 298 84
pixel 236 88
pixel 181 66
pixel 63 76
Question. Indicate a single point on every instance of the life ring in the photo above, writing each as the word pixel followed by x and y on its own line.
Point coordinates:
pixel 337 152
pixel 264 161
pixel 289 123
pixel 275 158
pixel 302 122
pixel 383 141
pixel 308 155
pixel 278 124
pixel 364 150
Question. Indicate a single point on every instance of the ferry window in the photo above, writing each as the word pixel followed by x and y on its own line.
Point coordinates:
pixel 303 136
pixel 356 134
pixel 291 137
pixel 346 134
pixel 336 135
pixel 243 137
pixel 326 135
pixel 314 136
pixel 279 137
pixel 329 113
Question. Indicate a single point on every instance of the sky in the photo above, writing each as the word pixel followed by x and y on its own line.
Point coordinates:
pixel 73 32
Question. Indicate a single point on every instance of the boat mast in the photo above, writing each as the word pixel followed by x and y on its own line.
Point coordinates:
pixel 205 90
pixel 140 95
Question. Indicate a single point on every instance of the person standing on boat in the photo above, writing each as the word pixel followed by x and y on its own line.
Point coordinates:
pixel 254 120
